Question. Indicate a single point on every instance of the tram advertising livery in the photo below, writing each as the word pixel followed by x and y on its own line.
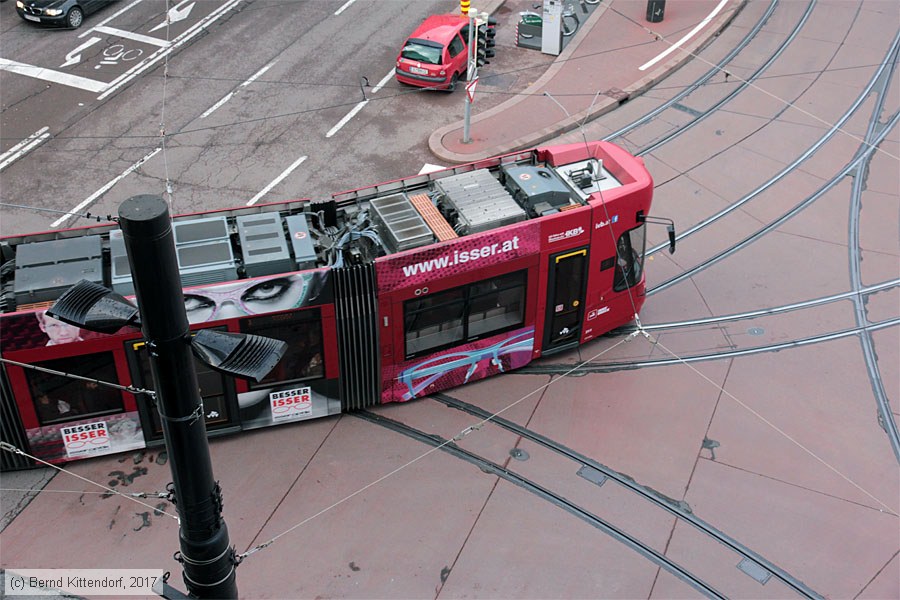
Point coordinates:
pixel 383 294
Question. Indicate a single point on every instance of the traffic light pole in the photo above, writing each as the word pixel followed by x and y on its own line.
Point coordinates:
pixel 206 556
pixel 471 73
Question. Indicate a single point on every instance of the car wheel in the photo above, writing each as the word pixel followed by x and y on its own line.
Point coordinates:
pixel 453 82
pixel 75 18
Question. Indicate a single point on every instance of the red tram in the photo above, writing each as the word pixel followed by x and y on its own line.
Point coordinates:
pixel 383 294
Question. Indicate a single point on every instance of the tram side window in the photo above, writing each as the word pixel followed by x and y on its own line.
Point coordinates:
pixel 464 314
pixel 629 258
pixel 302 330
pixel 57 398
pixel 434 321
pixel 496 304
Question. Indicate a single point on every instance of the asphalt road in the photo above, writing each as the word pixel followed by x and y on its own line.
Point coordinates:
pixel 243 92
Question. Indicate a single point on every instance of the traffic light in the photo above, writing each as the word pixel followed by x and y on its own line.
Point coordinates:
pixel 485 45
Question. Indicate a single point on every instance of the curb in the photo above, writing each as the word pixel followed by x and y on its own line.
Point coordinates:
pixel 435 140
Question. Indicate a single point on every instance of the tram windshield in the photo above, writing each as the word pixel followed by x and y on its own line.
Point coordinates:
pixel 630 258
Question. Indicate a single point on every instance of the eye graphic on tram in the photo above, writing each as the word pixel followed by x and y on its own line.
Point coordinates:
pixel 251 297
pixel 420 376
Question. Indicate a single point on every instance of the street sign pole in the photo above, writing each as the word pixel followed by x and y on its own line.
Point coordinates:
pixel 471 73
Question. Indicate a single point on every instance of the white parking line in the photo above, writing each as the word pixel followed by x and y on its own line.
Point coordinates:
pixel 229 95
pixel 358 107
pixel 344 7
pixel 75 81
pixel 689 35
pixel 276 181
pixel 22 148
pixel 90 199
pixel 130 35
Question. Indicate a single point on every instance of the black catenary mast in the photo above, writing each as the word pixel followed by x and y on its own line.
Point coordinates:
pixel 207 558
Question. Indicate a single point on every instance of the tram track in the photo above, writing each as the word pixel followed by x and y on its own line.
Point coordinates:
pixel 888 62
pixel 674 508
pixel 885 414
pixel 548 495
pixel 868 150
pixel 879 83
pixel 716 70
pixel 608 367
pixel 744 84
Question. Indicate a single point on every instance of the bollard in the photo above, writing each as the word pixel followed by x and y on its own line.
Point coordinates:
pixel 656 10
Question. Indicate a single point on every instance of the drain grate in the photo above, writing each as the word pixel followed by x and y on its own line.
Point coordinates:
pixel 754 570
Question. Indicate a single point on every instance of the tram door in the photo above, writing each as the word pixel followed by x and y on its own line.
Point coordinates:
pixel 565 299
pixel 216 391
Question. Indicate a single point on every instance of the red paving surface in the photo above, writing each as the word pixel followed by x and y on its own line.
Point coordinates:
pixel 802 473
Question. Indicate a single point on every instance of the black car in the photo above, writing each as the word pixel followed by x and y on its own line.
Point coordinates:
pixel 60 13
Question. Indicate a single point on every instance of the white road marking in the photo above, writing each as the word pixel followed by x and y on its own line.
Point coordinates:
pixel 276 181
pixel 130 35
pixel 346 118
pixel 105 89
pixel 344 7
pixel 174 15
pixel 229 95
pixel 358 107
pixel 75 81
pixel 688 36
pixel 90 199
pixel 383 81
pixel 111 17
pixel 154 58
pixel 430 168
pixel 74 57
pixel 22 148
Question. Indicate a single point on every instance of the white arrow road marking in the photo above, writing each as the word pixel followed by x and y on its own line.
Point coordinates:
pixel 176 15
pixel 430 168
pixel 22 148
pixel 276 181
pixel 74 56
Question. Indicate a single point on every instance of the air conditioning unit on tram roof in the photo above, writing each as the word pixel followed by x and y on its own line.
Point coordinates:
pixel 44 270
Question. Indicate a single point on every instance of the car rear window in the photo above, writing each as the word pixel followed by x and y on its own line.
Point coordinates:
pixel 423 51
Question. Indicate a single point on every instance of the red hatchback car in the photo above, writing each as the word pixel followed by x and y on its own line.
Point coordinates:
pixel 435 54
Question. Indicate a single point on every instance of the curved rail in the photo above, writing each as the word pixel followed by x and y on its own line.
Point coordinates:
pixel 491 467
pixel 672 506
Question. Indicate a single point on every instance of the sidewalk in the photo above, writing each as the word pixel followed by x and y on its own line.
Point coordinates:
pixel 617 53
